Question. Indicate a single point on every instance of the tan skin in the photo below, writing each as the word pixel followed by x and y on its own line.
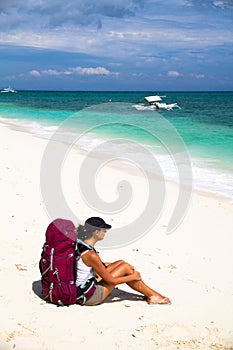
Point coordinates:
pixel 119 272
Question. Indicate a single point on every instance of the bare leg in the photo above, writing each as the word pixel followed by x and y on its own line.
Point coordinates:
pixel 113 265
pixel 121 268
pixel 151 295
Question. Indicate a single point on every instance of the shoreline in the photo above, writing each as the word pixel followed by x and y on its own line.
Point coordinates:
pixel 192 266
pixel 123 165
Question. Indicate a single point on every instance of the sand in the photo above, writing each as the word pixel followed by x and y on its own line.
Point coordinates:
pixel 192 266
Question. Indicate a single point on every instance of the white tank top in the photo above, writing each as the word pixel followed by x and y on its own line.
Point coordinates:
pixel 84 272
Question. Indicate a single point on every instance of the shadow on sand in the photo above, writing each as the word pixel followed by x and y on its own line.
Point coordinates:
pixel 37 289
pixel 120 295
pixel 115 296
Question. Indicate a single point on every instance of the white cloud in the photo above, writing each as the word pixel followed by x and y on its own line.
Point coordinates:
pixel 224 4
pixel 52 72
pixel 35 73
pixel 200 76
pixel 73 71
pixel 174 74
pixel 209 4
pixel 197 76
pixel 91 71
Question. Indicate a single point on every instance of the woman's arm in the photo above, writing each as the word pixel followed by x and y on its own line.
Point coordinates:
pixel 92 259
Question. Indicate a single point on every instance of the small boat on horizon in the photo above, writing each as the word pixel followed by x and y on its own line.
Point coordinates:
pixel 9 89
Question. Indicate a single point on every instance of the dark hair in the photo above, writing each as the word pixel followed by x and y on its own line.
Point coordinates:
pixel 94 223
pixel 84 232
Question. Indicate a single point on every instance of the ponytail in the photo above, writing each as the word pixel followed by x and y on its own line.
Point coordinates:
pixel 84 232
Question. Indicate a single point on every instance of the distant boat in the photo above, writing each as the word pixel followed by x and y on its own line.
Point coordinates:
pixel 9 89
pixel 154 103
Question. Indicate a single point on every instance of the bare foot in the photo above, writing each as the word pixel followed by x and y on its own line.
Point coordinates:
pixel 158 300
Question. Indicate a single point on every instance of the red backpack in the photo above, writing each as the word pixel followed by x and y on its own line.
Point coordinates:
pixel 57 264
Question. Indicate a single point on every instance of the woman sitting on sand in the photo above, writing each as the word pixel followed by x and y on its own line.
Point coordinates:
pixel 89 264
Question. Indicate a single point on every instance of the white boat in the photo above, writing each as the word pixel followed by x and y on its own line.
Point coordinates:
pixel 154 103
pixel 9 89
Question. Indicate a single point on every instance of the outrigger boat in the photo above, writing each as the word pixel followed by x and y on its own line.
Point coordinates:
pixel 154 103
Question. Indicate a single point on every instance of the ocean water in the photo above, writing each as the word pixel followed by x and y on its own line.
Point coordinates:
pixel 200 133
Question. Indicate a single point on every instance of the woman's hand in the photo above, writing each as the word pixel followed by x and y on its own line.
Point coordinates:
pixel 137 276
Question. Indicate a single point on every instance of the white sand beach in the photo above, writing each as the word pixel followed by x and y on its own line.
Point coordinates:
pixel 192 266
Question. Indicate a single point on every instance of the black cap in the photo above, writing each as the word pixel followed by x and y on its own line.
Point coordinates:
pixel 97 223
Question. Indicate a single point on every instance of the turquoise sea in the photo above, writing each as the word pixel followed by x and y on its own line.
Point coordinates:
pixel 203 126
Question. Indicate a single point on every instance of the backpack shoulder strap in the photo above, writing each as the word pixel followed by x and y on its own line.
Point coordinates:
pixel 82 246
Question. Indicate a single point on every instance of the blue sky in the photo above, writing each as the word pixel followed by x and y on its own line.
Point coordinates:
pixel 173 45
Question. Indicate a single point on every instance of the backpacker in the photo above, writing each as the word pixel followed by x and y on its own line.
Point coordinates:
pixel 57 263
